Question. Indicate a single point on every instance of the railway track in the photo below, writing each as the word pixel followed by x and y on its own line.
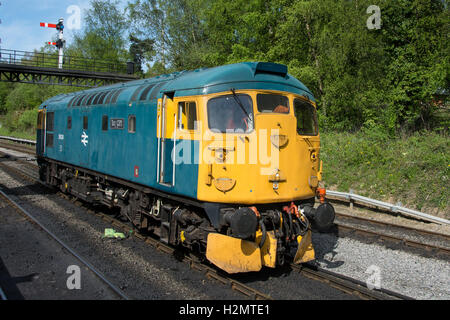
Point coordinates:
pixel 195 264
pixel 209 272
pixel 346 284
pixel 427 242
pixel 88 265
pixel 343 283
pixel 19 148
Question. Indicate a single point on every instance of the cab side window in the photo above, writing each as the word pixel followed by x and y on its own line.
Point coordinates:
pixel 49 127
pixel 187 115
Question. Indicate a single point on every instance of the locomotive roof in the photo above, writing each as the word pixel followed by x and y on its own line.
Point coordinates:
pixel 244 75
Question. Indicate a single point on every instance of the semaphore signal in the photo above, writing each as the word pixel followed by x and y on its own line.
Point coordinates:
pixel 47 25
pixel 60 42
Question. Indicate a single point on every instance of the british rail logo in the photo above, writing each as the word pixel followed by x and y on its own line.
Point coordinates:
pixel 84 139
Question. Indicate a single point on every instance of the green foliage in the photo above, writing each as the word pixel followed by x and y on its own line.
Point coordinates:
pixel 413 170
pixel 361 78
pixel 27 121
pixel 5 90
pixel 17 134
pixel 140 50
pixel 104 37
pixel 19 107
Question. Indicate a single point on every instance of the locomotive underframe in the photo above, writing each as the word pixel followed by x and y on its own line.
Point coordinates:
pixel 176 220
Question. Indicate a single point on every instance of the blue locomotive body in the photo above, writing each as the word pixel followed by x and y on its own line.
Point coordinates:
pixel 98 137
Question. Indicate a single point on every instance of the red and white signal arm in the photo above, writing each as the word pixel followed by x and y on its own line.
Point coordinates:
pixel 47 25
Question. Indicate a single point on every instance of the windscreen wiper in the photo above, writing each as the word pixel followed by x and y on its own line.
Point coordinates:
pixel 239 102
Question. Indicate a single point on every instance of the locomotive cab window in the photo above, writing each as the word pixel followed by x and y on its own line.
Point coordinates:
pixel 272 103
pixel 230 113
pixel 49 121
pixel 187 116
pixel 49 124
pixel 306 118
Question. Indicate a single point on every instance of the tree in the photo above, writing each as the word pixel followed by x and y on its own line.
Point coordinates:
pixel 141 51
pixel 415 37
pixel 147 19
pixel 104 36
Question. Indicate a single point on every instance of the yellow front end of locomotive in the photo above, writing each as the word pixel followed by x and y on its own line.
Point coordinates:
pixel 267 163
pixel 236 255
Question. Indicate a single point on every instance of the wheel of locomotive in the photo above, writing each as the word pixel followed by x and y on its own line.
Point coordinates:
pixel 63 186
pixel 43 172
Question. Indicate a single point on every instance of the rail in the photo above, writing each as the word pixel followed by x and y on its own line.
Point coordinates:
pixel 100 275
pixel 50 60
pixel 24 141
pixel 342 196
pixel 352 197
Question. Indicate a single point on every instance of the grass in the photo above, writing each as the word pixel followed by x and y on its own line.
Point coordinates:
pixel 17 134
pixel 413 170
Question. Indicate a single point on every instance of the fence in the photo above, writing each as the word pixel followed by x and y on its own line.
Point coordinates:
pixel 50 60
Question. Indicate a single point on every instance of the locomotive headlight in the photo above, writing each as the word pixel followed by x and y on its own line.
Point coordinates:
pixel 224 184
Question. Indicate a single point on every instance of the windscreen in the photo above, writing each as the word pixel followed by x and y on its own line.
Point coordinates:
pixel 306 118
pixel 272 103
pixel 230 113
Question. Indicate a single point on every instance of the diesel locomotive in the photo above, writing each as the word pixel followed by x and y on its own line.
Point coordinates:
pixel 224 161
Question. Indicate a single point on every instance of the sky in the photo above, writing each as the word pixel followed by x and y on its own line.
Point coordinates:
pixel 19 27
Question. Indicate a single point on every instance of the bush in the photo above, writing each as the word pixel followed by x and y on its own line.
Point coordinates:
pixel 27 120
pixel 413 169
